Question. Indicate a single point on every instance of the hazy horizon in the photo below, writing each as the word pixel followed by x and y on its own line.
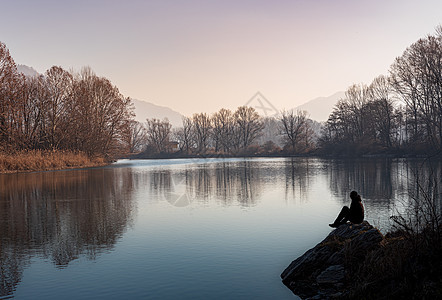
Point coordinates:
pixel 199 56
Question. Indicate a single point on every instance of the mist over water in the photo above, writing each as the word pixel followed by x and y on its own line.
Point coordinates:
pixel 187 228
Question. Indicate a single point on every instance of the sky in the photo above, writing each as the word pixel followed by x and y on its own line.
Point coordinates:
pixel 201 56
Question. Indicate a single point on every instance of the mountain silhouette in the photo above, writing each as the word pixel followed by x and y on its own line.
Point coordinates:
pixel 27 71
pixel 147 110
pixel 320 108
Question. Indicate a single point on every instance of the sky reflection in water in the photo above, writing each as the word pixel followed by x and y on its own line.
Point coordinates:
pixel 191 228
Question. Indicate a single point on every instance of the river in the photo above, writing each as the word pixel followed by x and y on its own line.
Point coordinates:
pixel 180 229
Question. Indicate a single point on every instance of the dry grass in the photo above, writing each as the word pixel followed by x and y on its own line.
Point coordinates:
pixel 35 160
pixel 397 270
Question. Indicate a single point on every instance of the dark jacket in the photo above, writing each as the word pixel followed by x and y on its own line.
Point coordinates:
pixel 356 211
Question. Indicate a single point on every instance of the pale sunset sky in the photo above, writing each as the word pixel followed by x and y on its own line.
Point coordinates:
pixel 200 56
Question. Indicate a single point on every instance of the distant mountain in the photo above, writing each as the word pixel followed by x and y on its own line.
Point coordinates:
pixel 146 110
pixel 320 108
pixel 27 71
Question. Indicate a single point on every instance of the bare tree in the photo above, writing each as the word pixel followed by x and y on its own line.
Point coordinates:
pixel 8 95
pixel 223 124
pixel 158 134
pixel 34 110
pixel 381 110
pixel 135 136
pixel 101 114
pixel 187 134
pixel 295 129
pixel 347 124
pixel 356 97
pixel 202 131
pixel 249 125
pixel 60 111
pixel 59 84
pixel 29 113
pixel 416 77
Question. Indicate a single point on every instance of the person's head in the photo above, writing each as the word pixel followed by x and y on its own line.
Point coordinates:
pixel 354 195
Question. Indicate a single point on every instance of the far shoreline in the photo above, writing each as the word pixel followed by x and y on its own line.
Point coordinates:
pixel 43 161
pixel 312 155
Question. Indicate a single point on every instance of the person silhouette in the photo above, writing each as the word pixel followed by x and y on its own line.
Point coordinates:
pixel 354 214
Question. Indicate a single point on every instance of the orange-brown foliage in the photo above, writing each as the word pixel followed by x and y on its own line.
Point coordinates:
pixel 37 160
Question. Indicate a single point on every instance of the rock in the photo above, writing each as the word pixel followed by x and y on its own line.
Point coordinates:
pixel 320 273
pixel 332 275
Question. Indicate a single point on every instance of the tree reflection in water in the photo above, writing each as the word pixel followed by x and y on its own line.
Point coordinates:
pixel 297 178
pixel 384 183
pixel 61 216
pixel 372 177
pixel 232 182
pixel 69 214
pixel 227 181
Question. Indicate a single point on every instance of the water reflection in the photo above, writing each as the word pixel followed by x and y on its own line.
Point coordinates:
pixel 230 183
pixel 425 182
pixel 385 184
pixel 298 174
pixel 60 216
pixel 227 182
pixel 371 177
pixel 379 179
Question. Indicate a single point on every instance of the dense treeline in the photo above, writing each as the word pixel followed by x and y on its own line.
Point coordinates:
pixel 401 112
pixel 227 133
pixel 61 111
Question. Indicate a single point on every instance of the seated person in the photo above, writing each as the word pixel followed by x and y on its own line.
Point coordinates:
pixel 354 214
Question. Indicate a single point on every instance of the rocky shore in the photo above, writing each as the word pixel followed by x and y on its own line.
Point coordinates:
pixel 324 272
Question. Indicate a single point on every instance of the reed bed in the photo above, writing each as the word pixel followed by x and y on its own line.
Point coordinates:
pixel 37 160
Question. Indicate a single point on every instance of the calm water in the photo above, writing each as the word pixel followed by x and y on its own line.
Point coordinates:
pixel 178 229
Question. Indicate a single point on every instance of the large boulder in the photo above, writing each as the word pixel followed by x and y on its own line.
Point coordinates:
pixel 322 272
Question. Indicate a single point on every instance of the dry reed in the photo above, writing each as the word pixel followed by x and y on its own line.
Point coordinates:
pixel 36 160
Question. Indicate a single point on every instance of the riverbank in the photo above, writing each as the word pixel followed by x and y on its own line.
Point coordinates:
pixel 358 262
pixel 36 160
pixel 39 160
